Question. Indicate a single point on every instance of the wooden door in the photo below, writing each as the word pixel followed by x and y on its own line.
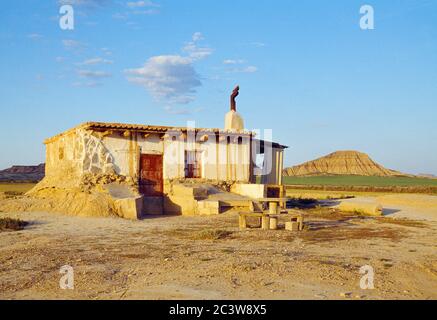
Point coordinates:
pixel 151 175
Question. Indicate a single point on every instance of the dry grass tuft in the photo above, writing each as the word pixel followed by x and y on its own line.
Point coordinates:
pixel 196 234
pixel 332 214
pixel 8 224
pixel 353 233
pixel 402 222
pixel 214 234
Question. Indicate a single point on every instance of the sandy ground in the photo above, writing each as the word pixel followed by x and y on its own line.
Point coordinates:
pixel 177 258
pixel 409 206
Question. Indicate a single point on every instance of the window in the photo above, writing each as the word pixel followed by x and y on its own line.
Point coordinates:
pixel 193 164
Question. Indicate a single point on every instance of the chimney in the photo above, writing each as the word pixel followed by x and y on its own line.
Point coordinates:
pixel 233 120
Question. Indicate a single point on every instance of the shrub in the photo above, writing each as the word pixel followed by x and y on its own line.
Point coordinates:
pixel 7 224
pixel 212 235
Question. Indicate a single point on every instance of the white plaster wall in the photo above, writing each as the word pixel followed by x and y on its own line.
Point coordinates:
pixel 152 144
pixel 223 162
pixel 275 175
pixel 174 154
pixel 126 150
pixel 234 160
pixel 119 147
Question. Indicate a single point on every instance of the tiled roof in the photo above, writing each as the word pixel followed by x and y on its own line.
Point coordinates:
pixel 151 128
pixel 142 128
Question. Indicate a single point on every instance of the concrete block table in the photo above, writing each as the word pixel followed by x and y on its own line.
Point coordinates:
pixel 264 220
pixel 274 203
pixel 270 221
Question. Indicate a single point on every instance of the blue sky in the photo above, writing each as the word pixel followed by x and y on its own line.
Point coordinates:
pixel 305 69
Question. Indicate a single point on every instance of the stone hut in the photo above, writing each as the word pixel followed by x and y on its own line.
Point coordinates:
pixel 151 158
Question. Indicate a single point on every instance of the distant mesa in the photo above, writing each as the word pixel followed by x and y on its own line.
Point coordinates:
pixel 342 163
pixel 23 173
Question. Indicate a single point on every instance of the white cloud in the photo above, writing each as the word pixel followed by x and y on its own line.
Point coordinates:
pixel 137 8
pixel 197 36
pixel 85 3
pixel 35 36
pixel 95 61
pixel 141 4
pixel 249 69
pixel 170 77
pixel 231 61
pixel 258 44
pixel 90 78
pixel 72 44
pixel 120 16
pixel 237 66
pixel 145 12
pixel 93 74
pixel 196 52
pixel 106 51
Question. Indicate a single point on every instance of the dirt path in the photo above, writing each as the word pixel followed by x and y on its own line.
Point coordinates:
pixel 209 258
pixel 410 206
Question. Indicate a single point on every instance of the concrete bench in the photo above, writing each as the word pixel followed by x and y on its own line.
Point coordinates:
pixel 270 221
pixel 264 220
pixel 274 203
pixel 294 222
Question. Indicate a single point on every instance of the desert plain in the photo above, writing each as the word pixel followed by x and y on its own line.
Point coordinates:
pixel 208 257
